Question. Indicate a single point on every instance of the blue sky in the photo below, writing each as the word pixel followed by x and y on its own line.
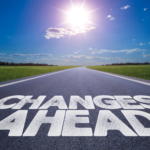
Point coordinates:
pixel 34 31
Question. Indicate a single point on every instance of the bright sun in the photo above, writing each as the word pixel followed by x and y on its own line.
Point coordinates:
pixel 78 16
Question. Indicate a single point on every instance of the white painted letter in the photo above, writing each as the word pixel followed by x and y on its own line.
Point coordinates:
pixel 108 121
pixel 135 123
pixel 110 104
pixel 2 101
pixel 125 102
pixel 40 118
pixel 15 123
pixel 87 103
pixel 55 101
pixel 36 102
pixel 71 120
pixel 143 99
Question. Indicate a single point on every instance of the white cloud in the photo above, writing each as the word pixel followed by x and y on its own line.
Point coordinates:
pixel 109 16
pixel 89 57
pixel 55 59
pixel 69 60
pixel 133 39
pixel 141 44
pixel 123 60
pixel 146 55
pixel 38 54
pixel 2 53
pixel 77 52
pixel 90 48
pixel 142 19
pixel 125 7
pixel 6 57
pixel 99 52
pixel 149 42
pixel 117 51
pixel 145 9
pixel 86 57
pixel 112 18
pixel 101 58
pixel 30 55
pixel 60 32
pixel 42 59
pixel 17 55
pixel 76 56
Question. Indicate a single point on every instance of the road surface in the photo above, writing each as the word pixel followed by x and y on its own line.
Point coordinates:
pixel 73 82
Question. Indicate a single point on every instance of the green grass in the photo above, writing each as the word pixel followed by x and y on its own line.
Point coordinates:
pixel 16 72
pixel 138 71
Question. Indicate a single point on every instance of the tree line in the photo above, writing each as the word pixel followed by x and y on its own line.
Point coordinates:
pixel 145 63
pixel 22 64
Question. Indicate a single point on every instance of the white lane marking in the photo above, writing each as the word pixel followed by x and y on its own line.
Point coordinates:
pixel 122 77
pixel 7 84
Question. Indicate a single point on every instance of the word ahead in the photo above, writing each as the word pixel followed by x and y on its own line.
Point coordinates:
pixel 66 119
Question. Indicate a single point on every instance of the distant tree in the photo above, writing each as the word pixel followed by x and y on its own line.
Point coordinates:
pixel 22 64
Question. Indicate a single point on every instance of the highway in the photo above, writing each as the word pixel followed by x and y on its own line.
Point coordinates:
pixel 74 82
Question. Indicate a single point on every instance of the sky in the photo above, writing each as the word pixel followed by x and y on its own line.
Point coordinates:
pixel 75 32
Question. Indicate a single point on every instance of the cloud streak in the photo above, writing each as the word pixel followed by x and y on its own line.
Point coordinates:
pixel 141 44
pixel 77 51
pixel 123 60
pixel 6 57
pixel 112 18
pixel 118 51
pixel 61 32
pixel 42 59
pixel 87 57
pixel 2 53
pixel 125 7
pixel 146 55
pixel 77 56
pixel 31 54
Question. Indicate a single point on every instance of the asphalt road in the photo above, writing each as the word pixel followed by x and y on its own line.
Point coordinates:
pixel 78 81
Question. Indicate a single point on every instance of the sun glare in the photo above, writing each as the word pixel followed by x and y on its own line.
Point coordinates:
pixel 78 16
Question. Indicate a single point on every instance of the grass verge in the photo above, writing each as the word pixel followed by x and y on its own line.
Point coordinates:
pixel 138 71
pixel 16 72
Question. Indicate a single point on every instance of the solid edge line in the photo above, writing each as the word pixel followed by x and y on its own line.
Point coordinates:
pixel 123 77
pixel 7 84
